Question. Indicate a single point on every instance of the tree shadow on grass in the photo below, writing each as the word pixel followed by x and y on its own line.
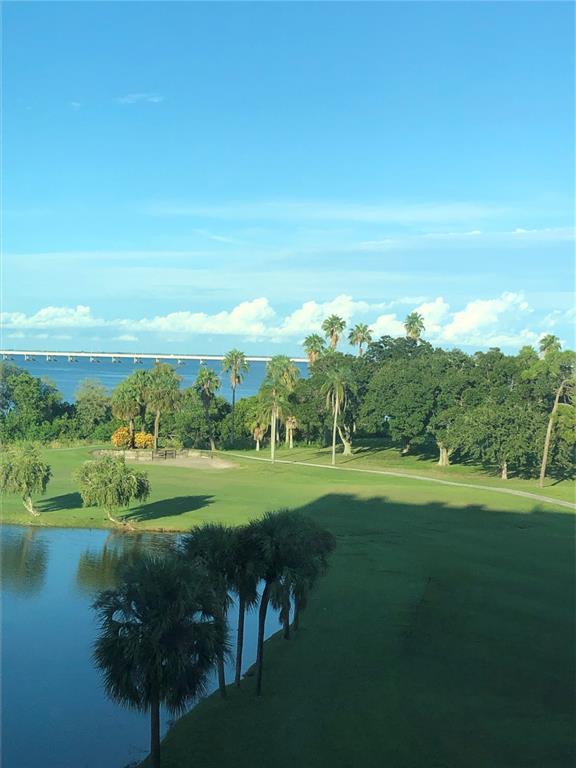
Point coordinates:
pixel 179 505
pixel 57 503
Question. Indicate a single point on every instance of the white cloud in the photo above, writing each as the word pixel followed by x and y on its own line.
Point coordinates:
pixel 52 317
pixel 125 337
pixel 387 325
pixel 434 313
pixel 467 325
pixel 139 98
pixel 74 105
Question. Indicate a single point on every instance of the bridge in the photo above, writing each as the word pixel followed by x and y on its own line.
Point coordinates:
pixel 31 356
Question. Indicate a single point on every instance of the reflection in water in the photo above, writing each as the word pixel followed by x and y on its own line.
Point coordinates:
pixel 98 569
pixel 24 559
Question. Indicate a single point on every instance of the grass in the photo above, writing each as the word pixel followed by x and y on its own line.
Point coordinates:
pixel 441 637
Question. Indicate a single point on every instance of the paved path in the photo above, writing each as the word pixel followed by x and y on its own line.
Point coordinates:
pixel 388 473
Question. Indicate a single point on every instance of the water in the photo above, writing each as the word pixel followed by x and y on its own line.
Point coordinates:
pixel 54 709
pixel 67 376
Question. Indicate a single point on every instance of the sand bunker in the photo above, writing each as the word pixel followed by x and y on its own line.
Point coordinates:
pixel 192 462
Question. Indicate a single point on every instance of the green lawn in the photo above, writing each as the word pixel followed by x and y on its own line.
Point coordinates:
pixel 441 637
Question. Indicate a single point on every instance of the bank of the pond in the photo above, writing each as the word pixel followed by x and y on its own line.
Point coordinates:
pixel 442 635
pixel 185 496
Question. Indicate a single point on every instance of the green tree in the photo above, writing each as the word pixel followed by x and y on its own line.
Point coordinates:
pixel 30 408
pixel 281 378
pixel 110 483
pixel 162 393
pixel 213 546
pixel 24 472
pixel 206 385
pixel 333 327
pixel 549 344
pixel 414 325
pixel 159 638
pixel 92 406
pixel 127 403
pixel 360 335
pixel 314 347
pixel 236 365
pixel 337 382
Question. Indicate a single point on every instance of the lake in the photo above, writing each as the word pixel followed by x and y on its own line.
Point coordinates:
pixel 54 709
pixel 67 376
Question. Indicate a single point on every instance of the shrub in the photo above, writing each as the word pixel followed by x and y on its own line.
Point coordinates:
pixel 121 438
pixel 143 440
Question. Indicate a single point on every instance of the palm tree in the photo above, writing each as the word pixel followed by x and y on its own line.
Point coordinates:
pixel 258 432
pixel 314 347
pixel 281 378
pixel 207 384
pixel 213 546
pixel 159 638
pixel 126 405
pixel 278 541
pixel 244 580
pixel 236 364
pixel 414 325
pixel 359 335
pixel 163 393
pixel 23 471
pixel 336 384
pixel 291 425
pixel 548 344
pixel 333 327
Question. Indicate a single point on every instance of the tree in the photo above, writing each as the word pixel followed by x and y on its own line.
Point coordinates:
pixel 244 580
pixel 162 393
pixel 127 403
pixel 23 559
pixel 258 432
pixel 159 638
pixel 314 347
pixel 23 472
pixel 336 384
pixel 277 537
pixel 206 385
pixel 236 365
pixel 563 386
pixel 359 335
pixel 213 546
pixel 414 325
pixel 281 378
pixel 291 425
pixel 333 327
pixel 92 405
pixel 110 483
pixel 549 344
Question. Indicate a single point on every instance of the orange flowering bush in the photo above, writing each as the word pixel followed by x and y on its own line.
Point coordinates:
pixel 121 438
pixel 143 440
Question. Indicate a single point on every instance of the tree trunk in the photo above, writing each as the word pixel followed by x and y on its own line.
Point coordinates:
pixel 273 437
pixel 291 439
pixel 261 624
pixel 296 620
pixel 257 445
pixel 504 471
pixel 156 429
pixel 240 639
pixel 27 500
pixel 336 409
pixel 112 519
pixel 346 443
pixel 233 410
pixel 131 429
pixel 549 435
pixel 221 676
pixel 155 733
pixel 444 459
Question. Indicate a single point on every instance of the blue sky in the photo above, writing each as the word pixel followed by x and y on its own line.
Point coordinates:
pixel 196 176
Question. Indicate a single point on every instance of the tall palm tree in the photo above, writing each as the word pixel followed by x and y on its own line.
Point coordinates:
pixel 359 335
pixel 414 325
pixel 548 344
pixel 236 365
pixel 244 580
pixel 213 546
pixel 291 425
pixel 281 378
pixel 333 327
pixel 314 347
pixel 126 405
pixel 159 638
pixel 162 393
pixel 335 387
pixel 207 384
pixel 278 540
pixel 258 431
